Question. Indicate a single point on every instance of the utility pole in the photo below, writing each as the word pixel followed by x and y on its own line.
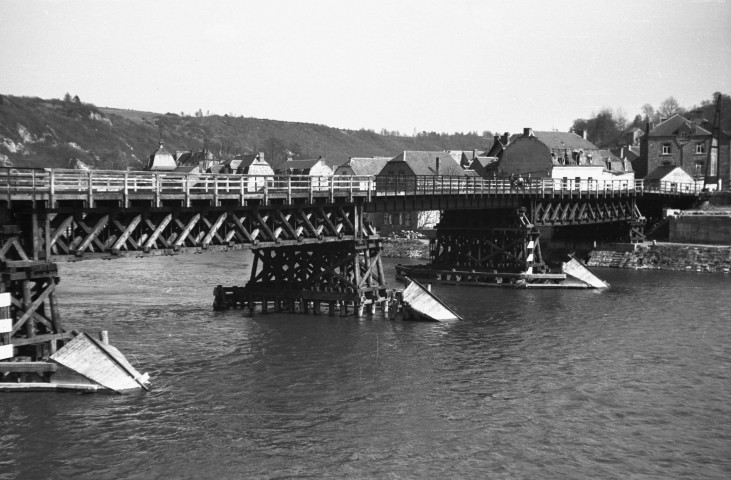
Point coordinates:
pixel 712 162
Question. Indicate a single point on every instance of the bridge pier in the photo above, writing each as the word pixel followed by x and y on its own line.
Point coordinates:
pixel 30 323
pixel 347 273
pixel 494 247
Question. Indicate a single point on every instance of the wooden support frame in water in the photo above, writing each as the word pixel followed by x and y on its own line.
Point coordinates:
pixel 344 276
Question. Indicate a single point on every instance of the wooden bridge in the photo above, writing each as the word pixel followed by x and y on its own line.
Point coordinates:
pixel 313 249
pixel 106 213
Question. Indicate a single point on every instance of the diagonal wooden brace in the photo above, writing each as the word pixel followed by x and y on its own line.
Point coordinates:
pixel 126 232
pixel 33 307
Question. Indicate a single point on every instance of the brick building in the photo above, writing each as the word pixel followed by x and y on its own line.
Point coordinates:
pixel 685 143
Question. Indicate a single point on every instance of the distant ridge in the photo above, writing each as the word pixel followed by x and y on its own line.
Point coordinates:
pixel 57 133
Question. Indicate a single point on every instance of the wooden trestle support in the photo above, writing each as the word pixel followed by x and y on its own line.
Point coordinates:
pixel 30 323
pixel 346 276
pixel 493 248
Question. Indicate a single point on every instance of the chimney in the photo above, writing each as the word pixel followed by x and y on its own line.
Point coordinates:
pixel 584 134
pixel 506 137
pixel 528 132
pixel 437 165
pixel 496 138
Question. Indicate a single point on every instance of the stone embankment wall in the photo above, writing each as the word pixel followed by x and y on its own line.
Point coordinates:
pixel 663 256
pixel 701 226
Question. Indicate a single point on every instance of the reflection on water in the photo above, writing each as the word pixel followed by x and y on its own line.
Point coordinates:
pixel 629 382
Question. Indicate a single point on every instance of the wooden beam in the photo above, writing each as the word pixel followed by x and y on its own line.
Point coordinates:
pixel 126 232
pixel 214 229
pixel 157 231
pixel 26 367
pixel 18 342
pixel 32 308
pixel 186 231
pixel 91 236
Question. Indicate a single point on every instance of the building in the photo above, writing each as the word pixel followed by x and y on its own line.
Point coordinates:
pixel 561 155
pixel 365 166
pixel 362 166
pixel 313 168
pixel 410 164
pixel 669 177
pixel 484 166
pixel 195 161
pixel 465 157
pixel 500 142
pixel 685 143
pixel 422 163
pixel 250 164
pixel 161 160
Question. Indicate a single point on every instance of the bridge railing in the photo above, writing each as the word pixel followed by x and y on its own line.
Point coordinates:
pixel 457 185
pixel 29 182
pixel 677 188
pixel 59 181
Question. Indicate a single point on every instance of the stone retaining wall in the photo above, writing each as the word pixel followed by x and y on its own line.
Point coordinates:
pixel 664 256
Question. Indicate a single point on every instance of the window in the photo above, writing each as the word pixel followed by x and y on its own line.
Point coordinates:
pixel 666 149
pixel 700 148
pixel 407 219
pixel 387 219
pixel 699 169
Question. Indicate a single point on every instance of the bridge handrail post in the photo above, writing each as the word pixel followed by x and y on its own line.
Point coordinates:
pixel 186 190
pixel 289 189
pixel 215 191
pixel 52 189
pixel 125 190
pixel 242 190
pixel 350 189
pixel 33 185
pixel 369 185
pixel 89 190
pixel 157 189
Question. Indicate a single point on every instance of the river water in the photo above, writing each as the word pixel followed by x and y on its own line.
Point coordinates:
pixel 632 382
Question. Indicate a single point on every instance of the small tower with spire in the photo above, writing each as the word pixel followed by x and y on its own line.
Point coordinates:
pixel 161 159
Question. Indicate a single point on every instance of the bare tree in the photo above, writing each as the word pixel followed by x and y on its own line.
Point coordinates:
pixel 649 112
pixel 669 107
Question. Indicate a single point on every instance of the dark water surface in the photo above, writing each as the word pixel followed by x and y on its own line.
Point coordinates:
pixel 633 382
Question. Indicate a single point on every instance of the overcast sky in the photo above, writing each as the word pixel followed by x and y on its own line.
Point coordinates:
pixel 445 66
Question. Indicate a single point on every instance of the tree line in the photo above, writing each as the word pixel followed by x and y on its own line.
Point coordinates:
pixel 605 128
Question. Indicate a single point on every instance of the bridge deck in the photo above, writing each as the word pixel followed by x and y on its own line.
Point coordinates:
pixel 59 185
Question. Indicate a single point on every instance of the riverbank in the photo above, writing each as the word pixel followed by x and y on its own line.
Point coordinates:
pixel 405 248
pixel 663 256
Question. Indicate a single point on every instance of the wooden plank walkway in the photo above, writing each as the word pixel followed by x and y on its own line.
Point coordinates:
pixel 58 185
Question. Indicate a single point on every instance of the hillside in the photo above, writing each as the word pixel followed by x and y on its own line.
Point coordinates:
pixel 54 133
